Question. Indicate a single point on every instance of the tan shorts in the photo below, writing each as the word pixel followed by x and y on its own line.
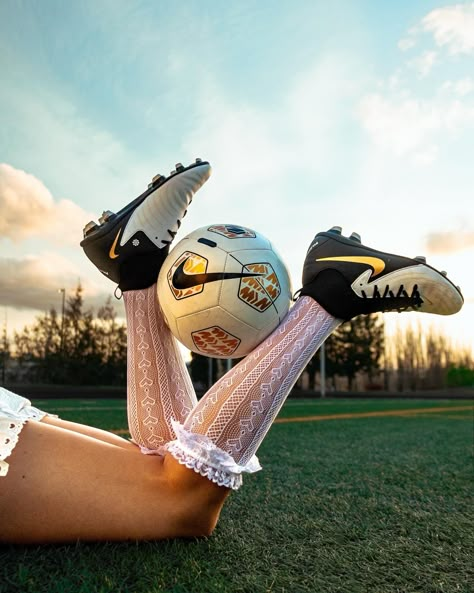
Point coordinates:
pixel 15 411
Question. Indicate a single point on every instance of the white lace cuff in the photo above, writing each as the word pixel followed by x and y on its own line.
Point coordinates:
pixel 199 453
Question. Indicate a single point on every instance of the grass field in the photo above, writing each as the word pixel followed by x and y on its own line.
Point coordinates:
pixel 369 496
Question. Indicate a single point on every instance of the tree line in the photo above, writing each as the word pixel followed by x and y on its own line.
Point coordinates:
pixel 78 347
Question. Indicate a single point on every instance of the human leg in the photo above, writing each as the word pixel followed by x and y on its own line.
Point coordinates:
pixel 91 431
pixel 103 487
pixel 222 434
pixel 111 493
pixel 129 248
pixel 63 486
pixel 159 388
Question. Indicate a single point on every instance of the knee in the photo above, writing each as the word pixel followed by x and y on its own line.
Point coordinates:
pixel 199 507
pixel 197 522
pixel 198 501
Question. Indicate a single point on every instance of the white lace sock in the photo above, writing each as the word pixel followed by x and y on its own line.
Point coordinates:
pixel 221 435
pixel 159 388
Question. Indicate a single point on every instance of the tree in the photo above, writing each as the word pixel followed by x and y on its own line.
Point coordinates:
pixel 424 358
pixel 111 338
pixel 355 346
pixel 81 349
pixel 4 354
pixel 359 346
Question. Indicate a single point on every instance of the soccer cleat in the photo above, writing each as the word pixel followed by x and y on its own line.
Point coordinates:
pixel 130 246
pixel 349 279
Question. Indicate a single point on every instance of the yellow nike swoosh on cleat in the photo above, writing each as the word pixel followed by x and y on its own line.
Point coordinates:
pixel 376 263
pixel 112 253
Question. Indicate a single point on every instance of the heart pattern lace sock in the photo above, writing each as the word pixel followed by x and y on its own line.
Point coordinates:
pixel 221 435
pixel 159 388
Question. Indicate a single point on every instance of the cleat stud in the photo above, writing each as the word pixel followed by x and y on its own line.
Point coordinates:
pixel 336 230
pixel 179 167
pixel 156 179
pixel 173 172
pixel 421 258
pixel 444 273
pixel 90 226
pixel 106 215
pixel 355 237
pixel 198 160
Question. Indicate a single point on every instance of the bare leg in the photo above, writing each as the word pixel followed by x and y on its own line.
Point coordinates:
pixel 96 433
pixel 64 486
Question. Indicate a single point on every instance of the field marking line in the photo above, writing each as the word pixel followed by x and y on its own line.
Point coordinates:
pixel 400 413
pixel 88 408
pixel 381 413
pixel 435 416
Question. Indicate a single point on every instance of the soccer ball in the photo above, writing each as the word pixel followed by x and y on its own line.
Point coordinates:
pixel 223 289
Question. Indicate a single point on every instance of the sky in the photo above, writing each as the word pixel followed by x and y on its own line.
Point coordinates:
pixel 313 114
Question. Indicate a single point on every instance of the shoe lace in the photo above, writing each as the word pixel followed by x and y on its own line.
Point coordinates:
pixel 399 301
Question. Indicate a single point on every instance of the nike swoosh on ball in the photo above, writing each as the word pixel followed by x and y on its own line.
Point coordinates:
pixel 181 280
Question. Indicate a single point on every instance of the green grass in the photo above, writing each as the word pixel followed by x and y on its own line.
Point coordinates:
pixel 379 505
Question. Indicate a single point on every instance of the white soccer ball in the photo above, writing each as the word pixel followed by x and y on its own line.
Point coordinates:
pixel 223 289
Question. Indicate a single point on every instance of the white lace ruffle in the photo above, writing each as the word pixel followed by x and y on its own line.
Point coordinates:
pixel 15 411
pixel 198 452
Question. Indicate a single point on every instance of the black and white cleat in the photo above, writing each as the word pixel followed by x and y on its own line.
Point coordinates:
pixel 129 246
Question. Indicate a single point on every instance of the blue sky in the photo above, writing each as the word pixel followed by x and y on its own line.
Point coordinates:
pixel 358 113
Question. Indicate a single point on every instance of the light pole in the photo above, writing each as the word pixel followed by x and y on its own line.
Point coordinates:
pixel 322 370
pixel 4 349
pixel 209 372
pixel 63 308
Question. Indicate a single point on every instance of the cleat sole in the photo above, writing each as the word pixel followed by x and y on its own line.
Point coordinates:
pixel 103 229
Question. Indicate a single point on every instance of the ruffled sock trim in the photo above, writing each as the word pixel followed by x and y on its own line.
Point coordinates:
pixel 199 453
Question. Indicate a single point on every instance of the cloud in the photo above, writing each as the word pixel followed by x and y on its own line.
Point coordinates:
pixel 274 161
pixel 452 27
pixel 414 119
pixel 47 132
pixel 404 124
pixel 425 62
pixel 446 242
pixel 461 87
pixel 246 140
pixel 406 43
pixel 29 210
pixel 33 282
